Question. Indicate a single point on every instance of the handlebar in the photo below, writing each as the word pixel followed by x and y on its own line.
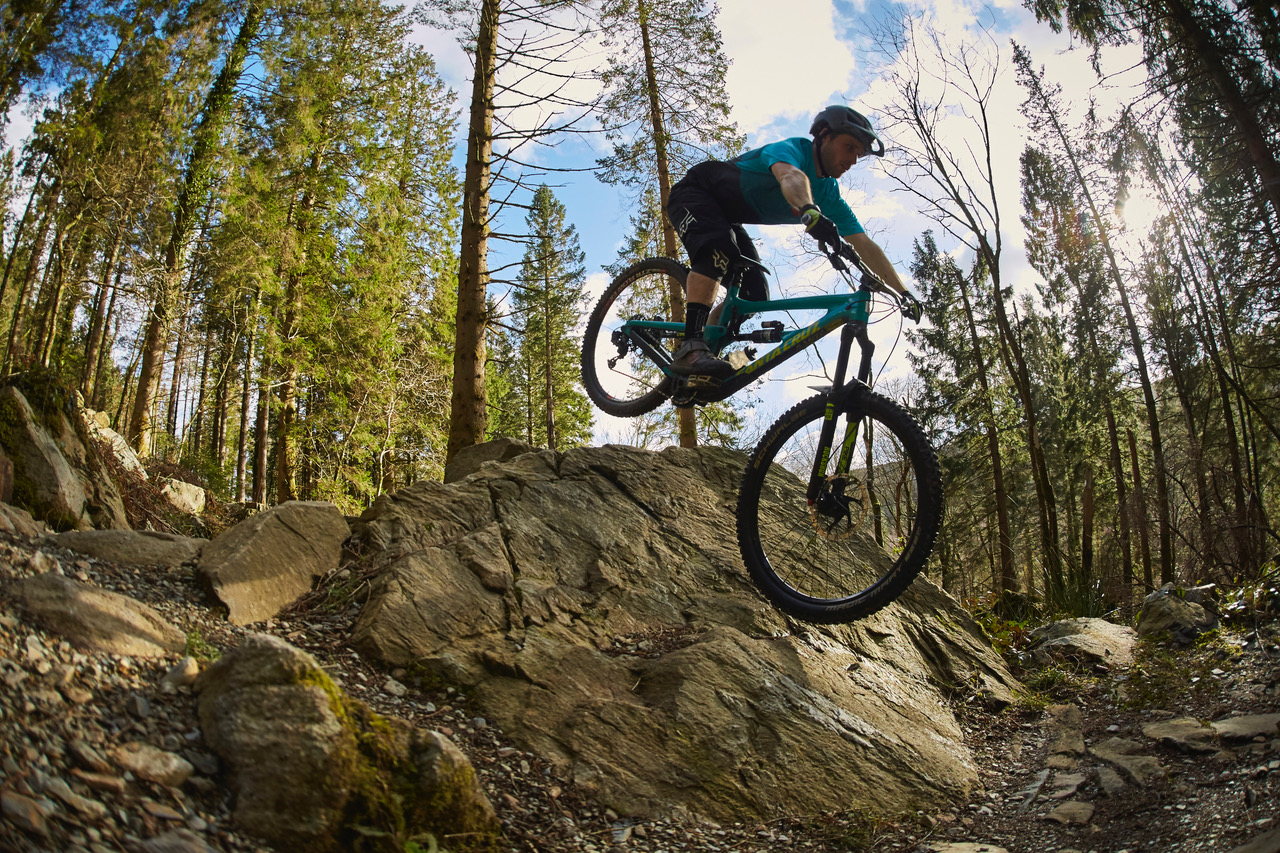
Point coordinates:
pixel 838 254
pixel 904 301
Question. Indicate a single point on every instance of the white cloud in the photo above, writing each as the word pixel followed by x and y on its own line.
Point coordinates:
pixel 452 63
pixel 786 64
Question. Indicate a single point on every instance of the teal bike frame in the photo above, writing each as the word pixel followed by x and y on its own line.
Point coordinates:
pixel 850 311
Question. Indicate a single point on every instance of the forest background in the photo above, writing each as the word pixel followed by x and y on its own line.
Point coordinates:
pixel 311 249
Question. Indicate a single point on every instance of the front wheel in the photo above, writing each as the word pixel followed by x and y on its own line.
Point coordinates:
pixel 618 374
pixel 871 524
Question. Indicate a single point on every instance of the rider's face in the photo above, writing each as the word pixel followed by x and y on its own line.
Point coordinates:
pixel 839 152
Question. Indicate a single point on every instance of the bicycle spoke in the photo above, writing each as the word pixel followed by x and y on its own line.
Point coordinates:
pixel 867 532
pixel 617 372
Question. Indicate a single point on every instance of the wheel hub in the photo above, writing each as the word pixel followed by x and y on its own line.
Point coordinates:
pixel 840 508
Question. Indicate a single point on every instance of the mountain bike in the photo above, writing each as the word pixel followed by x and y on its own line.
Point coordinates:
pixel 842 498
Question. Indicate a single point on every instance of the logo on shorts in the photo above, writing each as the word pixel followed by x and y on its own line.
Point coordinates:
pixel 685 223
pixel 720 260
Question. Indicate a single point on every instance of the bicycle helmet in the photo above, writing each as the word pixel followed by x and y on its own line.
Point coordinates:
pixel 842 119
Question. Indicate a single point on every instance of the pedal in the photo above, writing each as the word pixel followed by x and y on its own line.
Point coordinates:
pixel 698 382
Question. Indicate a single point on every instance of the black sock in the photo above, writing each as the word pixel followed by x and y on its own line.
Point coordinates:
pixel 695 319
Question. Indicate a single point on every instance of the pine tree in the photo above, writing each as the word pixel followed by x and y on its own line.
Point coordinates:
pixel 517 46
pixel 956 366
pixel 547 306
pixel 667 109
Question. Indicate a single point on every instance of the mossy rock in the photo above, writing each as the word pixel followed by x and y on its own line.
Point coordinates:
pixel 315 770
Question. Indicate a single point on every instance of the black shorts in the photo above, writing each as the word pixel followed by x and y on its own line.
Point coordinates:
pixel 707 210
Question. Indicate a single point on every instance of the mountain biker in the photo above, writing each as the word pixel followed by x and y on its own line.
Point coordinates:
pixel 787 182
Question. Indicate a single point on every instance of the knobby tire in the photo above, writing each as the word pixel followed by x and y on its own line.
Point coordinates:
pixel 857 555
pixel 634 385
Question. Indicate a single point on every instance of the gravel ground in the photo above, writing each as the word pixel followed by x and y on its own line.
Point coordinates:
pixel 56 701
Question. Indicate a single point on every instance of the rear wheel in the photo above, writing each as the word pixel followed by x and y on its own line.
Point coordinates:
pixel 617 374
pixel 870 529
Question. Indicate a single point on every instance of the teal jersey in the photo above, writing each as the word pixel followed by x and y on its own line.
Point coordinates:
pixel 760 189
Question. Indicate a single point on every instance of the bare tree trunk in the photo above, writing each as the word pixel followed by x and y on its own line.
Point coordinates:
pixel 468 418
pixel 1086 527
pixel 29 274
pixel 103 353
pixel 50 311
pixel 286 450
pixel 549 385
pixel 175 383
pixel 198 419
pixel 22 225
pixel 98 316
pixel 1140 514
pixel 1004 544
pixel 260 440
pixel 687 418
pixel 246 387
pixel 1122 509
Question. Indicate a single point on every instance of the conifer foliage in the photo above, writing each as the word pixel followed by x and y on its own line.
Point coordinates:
pixel 541 402
pixel 238 237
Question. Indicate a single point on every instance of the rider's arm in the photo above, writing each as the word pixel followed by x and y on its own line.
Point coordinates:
pixel 798 193
pixel 875 258
pixel 794 184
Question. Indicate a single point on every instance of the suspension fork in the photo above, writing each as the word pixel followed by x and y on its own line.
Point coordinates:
pixel 856 331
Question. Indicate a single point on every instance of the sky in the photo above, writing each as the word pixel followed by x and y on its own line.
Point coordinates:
pixel 785 67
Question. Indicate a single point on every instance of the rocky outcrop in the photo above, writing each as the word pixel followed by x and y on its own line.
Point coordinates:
pixel 265 562
pixel 58 476
pixel 96 618
pixel 594 603
pixel 185 497
pixel 20 522
pixel 99 426
pixel 468 460
pixel 313 770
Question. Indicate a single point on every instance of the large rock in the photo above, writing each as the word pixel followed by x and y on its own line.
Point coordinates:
pixel 468 460
pixel 58 475
pixel 1086 640
pixel 96 618
pixel 311 768
pixel 133 548
pixel 1168 612
pixel 594 604
pixel 99 426
pixel 266 561
pixel 20 522
pixel 185 497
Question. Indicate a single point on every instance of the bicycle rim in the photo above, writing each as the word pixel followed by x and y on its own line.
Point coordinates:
pixel 871 528
pixel 617 374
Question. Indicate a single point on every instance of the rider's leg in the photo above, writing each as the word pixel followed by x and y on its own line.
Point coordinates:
pixel 700 293
pixel 706 233
pixel 753 284
pixel 693 358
